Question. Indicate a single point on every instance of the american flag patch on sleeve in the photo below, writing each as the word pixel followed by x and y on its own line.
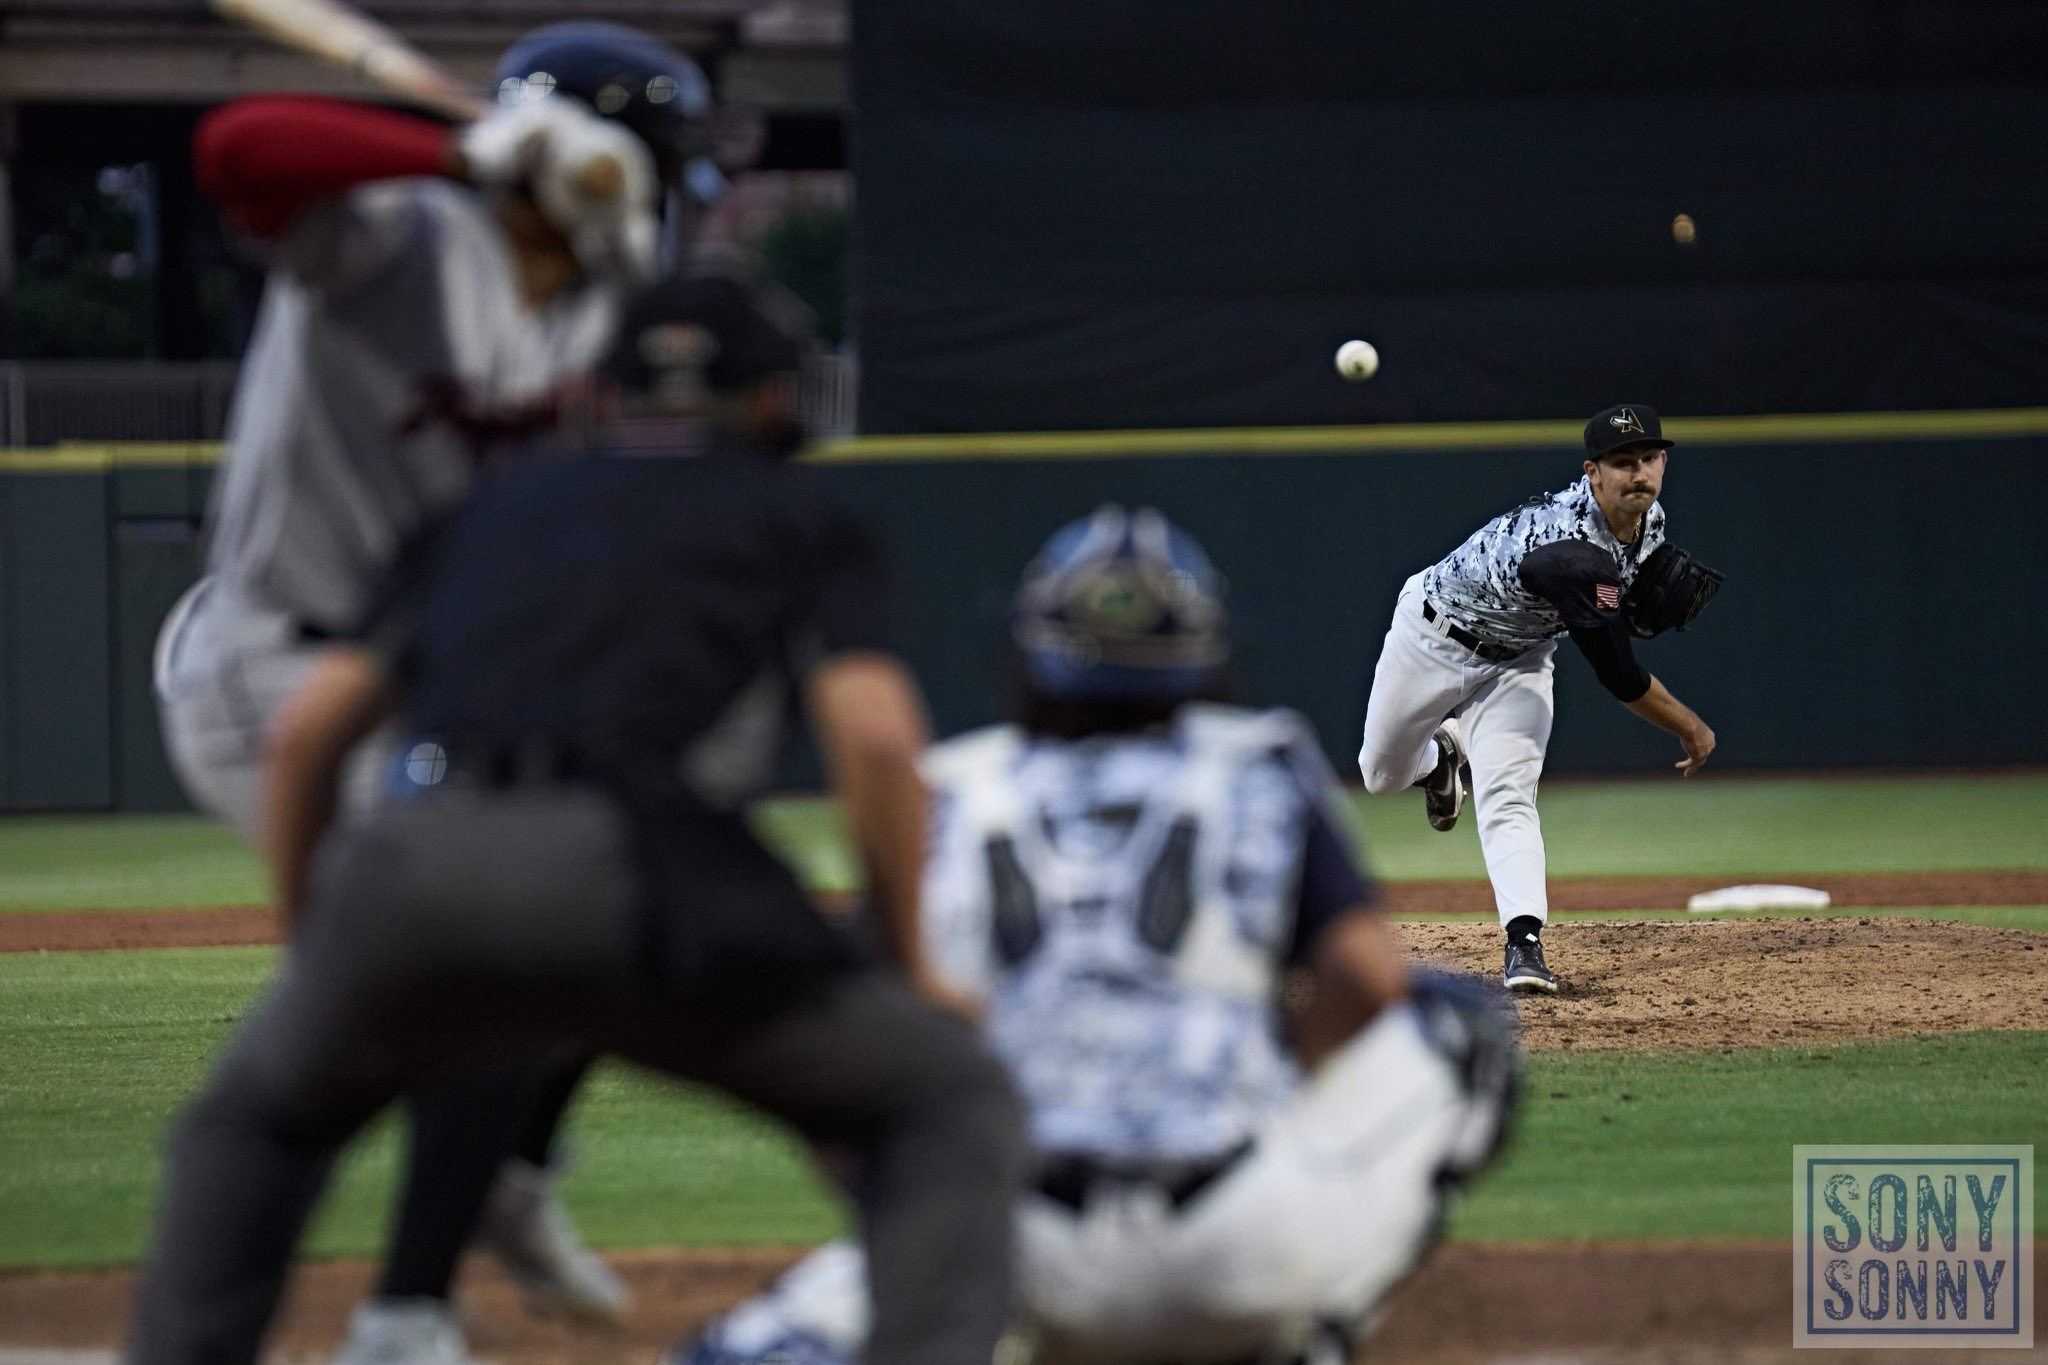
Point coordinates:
pixel 1607 596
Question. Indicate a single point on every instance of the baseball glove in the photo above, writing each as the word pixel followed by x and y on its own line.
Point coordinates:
pixel 1671 588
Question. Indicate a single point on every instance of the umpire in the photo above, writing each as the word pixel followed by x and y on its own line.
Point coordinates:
pixel 589 658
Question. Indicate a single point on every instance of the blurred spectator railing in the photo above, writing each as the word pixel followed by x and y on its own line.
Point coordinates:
pixel 828 396
pixel 45 402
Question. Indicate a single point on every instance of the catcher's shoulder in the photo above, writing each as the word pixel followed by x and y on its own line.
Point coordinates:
pixel 1273 729
pixel 974 752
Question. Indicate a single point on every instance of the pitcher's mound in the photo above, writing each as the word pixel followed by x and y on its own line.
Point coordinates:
pixel 1635 985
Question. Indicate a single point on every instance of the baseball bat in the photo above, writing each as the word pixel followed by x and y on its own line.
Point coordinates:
pixel 336 34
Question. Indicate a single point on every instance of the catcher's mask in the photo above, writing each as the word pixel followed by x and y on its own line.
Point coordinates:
pixel 1121 604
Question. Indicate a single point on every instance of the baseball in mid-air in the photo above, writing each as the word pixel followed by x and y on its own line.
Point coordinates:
pixel 1358 361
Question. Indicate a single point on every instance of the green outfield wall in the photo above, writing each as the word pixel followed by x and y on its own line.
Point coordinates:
pixel 1885 575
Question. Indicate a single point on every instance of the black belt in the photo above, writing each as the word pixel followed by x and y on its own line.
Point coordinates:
pixel 497 764
pixel 1069 1180
pixel 1485 649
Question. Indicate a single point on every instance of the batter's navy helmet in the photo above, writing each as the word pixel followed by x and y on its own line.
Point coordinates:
pixel 1121 604
pixel 627 75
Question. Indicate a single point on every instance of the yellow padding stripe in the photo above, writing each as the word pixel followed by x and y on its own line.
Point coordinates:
pixel 1782 429
pixel 1804 427
pixel 97 457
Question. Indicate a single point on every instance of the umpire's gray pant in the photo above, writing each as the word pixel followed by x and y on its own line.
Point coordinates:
pixel 480 924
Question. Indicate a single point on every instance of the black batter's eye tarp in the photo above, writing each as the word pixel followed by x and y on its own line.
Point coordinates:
pixel 1163 213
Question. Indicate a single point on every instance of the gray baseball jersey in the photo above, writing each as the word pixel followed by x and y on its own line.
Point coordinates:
pixel 1480 585
pixel 393 353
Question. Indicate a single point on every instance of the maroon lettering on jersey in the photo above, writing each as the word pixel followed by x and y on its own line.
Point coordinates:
pixel 442 400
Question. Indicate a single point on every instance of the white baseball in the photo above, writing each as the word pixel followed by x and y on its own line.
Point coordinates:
pixel 1358 361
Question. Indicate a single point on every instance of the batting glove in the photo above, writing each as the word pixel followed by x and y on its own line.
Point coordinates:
pixel 589 176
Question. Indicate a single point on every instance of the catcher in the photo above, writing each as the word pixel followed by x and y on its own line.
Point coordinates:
pixel 1465 673
pixel 1126 877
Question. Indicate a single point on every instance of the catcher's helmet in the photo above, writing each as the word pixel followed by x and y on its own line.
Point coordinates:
pixel 627 75
pixel 1121 604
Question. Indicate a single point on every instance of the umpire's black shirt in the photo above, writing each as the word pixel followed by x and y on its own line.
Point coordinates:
pixel 629 603
pixel 637 618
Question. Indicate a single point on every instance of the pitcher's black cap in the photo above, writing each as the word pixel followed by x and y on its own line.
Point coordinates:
pixel 1624 426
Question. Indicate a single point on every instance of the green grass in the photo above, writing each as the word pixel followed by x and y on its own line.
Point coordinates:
pixel 1740 826
pixel 121 862
pixel 102 1047
pixel 1702 1146
pixel 809 833
pixel 98 1049
pixel 1708 827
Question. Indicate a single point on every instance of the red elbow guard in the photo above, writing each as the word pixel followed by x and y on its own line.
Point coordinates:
pixel 267 159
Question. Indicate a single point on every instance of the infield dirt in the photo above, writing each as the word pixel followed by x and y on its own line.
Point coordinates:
pixel 1639 985
pixel 1629 985
pixel 242 925
pixel 1563 1304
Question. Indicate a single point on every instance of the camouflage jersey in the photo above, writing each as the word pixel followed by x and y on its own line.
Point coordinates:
pixel 1128 906
pixel 1481 586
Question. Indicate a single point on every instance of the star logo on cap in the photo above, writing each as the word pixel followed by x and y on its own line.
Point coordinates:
pixel 1626 420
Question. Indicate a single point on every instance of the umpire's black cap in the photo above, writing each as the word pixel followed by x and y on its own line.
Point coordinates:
pixel 690 334
pixel 1625 426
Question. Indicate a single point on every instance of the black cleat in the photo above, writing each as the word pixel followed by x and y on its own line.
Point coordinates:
pixel 1443 791
pixel 1525 971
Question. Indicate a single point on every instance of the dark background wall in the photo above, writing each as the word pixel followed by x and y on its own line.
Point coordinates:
pixel 1134 214
pixel 90 564
pixel 1880 607
pixel 1138 213
pixel 1876 611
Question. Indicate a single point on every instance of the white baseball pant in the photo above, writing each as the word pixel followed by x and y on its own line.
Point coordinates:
pixel 224 665
pixel 1502 712
pixel 1317 1223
